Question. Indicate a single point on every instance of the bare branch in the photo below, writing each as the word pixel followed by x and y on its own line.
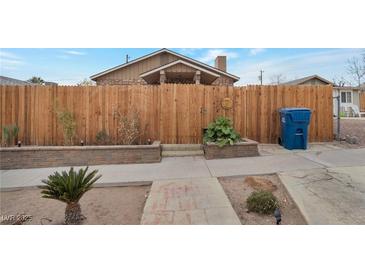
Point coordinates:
pixel 356 68
pixel 277 78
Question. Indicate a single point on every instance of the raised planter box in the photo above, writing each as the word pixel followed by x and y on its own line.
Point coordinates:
pixel 55 156
pixel 246 148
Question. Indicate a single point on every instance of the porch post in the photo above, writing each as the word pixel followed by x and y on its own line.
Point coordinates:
pixel 197 77
pixel 162 77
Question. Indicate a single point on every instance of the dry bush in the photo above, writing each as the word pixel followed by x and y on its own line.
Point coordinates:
pixel 258 183
pixel 128 127
pixel 68 122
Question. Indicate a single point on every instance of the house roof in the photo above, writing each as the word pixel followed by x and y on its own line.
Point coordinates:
pixel 200 64
pixel 347 88
pixel 305 79
pixel 12 81
pixel 179 62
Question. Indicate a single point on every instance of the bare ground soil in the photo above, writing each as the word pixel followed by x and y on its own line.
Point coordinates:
pixel 101 206
pixel 352 127
pixel 238 190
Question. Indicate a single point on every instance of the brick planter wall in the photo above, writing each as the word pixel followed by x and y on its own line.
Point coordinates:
pixel 54 156
pixel 247 148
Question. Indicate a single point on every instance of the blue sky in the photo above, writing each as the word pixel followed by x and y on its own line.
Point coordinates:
pixel 70 66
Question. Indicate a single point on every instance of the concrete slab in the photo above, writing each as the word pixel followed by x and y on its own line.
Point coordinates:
pixel 259 165
pixel 188 201
pixel 197 167
pixel 336 158
pixel 275 149
pixel 169 168
pixel 328 195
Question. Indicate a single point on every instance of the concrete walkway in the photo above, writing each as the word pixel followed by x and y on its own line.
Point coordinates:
pixel 276 160
pixel 188 201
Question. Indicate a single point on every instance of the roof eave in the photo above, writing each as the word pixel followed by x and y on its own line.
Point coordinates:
pixel 95 76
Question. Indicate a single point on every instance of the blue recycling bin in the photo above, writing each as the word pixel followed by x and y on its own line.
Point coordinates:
pixel 294 127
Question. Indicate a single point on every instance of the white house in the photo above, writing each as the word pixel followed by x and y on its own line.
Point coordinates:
pixel 349 96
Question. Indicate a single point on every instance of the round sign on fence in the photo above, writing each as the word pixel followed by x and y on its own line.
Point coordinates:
pixel 227 103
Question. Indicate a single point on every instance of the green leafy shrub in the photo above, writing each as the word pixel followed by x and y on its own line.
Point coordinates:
pixel 102 138
pixel 67 119
pixel 221 132
pixel 263 202
pixel 10 134
pixel 69 187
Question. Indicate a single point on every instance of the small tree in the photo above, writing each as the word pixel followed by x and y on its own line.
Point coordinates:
pixel 36 80
pixel 69 187
pixel 67 119
pixel 340 82
pixel 356 68
pixel 277 78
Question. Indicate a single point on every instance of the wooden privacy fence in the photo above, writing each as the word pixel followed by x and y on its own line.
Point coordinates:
pixel 172 113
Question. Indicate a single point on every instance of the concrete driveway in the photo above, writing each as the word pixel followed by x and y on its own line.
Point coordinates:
pixel 328 195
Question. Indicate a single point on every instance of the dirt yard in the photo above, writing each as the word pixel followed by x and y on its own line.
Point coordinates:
pixel 101 206
pixel 352 127
pixel 238 190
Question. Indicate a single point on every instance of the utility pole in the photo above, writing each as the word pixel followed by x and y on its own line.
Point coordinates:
pixel 260 77
pixel 127 58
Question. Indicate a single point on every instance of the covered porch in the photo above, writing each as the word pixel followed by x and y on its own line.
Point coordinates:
pixel 180 72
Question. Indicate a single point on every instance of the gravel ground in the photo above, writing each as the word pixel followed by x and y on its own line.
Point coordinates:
pixel 101 206
pixel 352 127
pixel 238 190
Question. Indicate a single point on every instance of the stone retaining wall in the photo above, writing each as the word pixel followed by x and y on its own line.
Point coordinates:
pixel 247 148
pixel 54 156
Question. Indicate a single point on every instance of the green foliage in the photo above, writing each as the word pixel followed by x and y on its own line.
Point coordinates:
pixel 102 137
pixel 67 119
pixel 263 202
pixel 36 80
pixel 342 114
pixel 68 187
pixel 10 134
pixel 221 132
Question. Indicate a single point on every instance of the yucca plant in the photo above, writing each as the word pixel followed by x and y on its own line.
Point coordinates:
pixel 69 187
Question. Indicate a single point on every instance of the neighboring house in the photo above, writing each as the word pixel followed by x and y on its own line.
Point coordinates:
pixel 47 83
pixel 166 66
pixel 309 80
pixel 349 96
pixel 7 81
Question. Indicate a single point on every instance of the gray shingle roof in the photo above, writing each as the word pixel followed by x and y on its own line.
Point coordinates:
pixel 12 82
pixel 304 79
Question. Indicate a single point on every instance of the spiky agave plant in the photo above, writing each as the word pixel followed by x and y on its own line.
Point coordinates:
pixel 69 187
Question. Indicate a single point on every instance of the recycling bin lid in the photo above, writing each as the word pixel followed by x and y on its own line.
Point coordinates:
pixel 294 109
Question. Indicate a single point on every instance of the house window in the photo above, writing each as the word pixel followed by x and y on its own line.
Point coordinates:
pixel 346 97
